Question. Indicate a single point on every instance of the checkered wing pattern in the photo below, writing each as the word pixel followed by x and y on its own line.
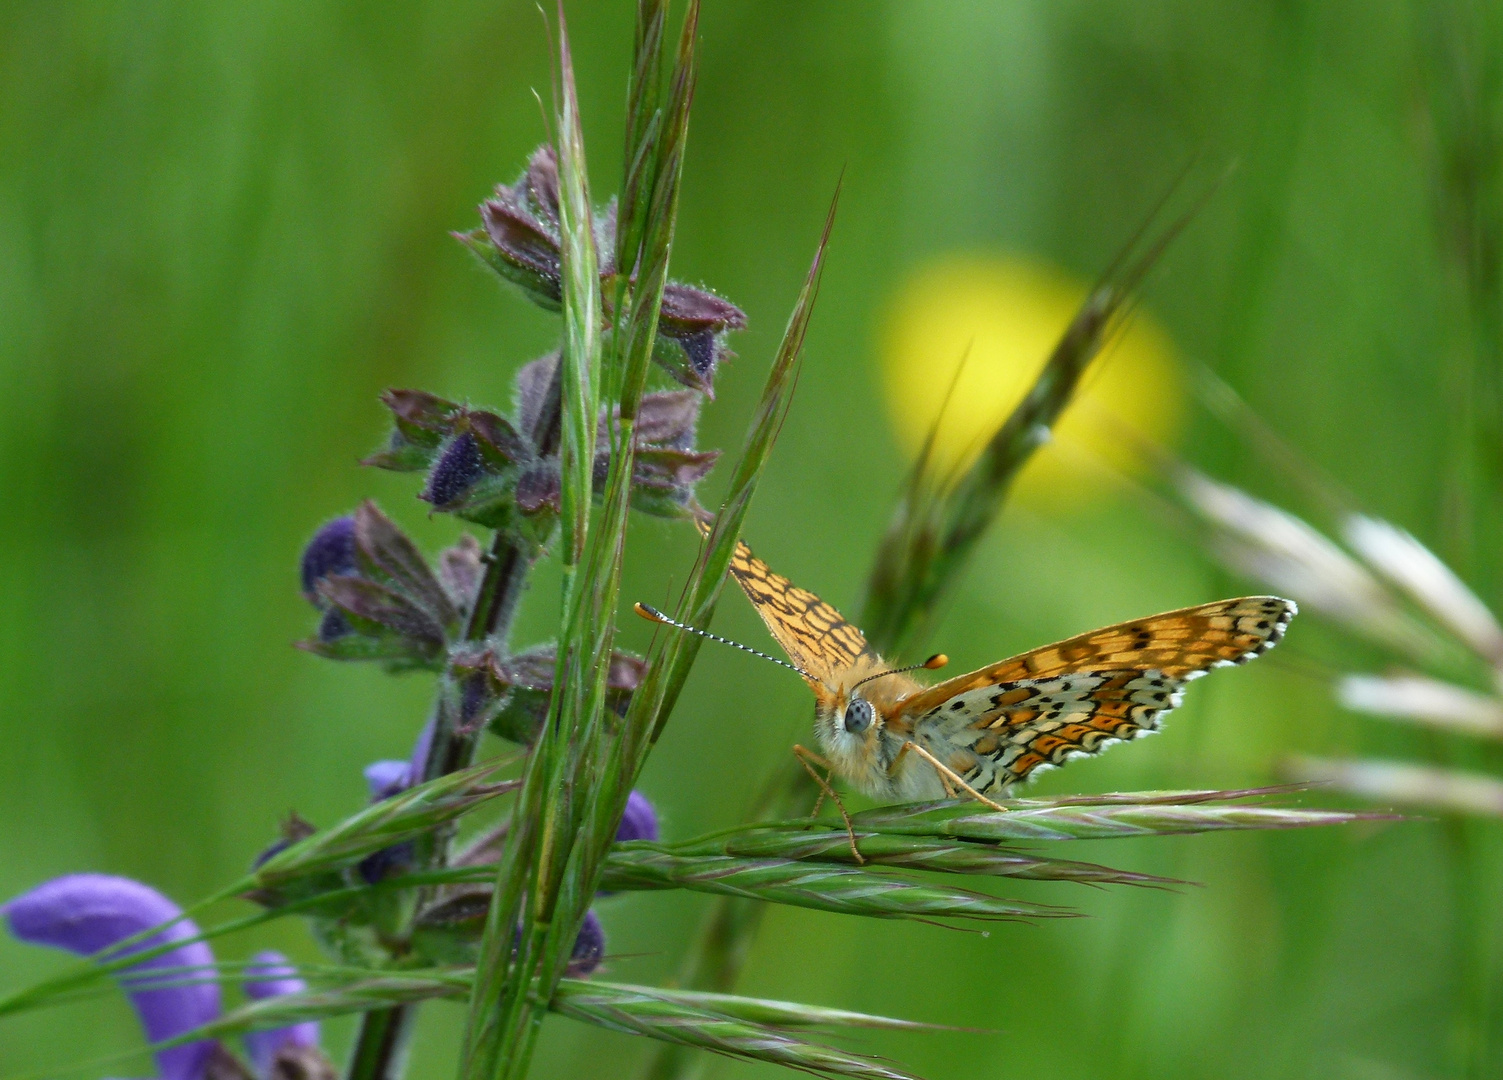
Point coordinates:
pixel 998 725
pixel 812 633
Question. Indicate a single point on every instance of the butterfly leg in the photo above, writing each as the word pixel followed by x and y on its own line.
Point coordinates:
pixel 809 759
pixel 948 776
pixel 944 781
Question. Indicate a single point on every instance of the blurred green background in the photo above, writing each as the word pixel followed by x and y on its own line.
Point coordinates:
pixel 223 233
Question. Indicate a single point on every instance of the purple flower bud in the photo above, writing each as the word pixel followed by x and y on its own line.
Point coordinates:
pixel 333 626
pixel 457 470
pixel 388 778
pixel 388 862
pixel 589 947
pixel 270 975
pixel 702 352
pixel 85 913
pixel 640 821
pixel 696 321
pixel 331 551
pixel 293 830
pixel 275 848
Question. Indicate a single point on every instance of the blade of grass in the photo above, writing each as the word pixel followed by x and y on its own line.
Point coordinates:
pixel 651 1013
pixel 911 852
pixel 929 543
pixel 937 526
pixel 673 654
pixel 740 1027
pixel 595 809
pixel 1095 822
pixel 846 890
pixel 537 844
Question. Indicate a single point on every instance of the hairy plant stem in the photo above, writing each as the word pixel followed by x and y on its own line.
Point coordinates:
pixel 379 1046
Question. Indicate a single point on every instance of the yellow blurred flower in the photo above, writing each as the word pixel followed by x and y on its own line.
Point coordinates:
pixel 1006 313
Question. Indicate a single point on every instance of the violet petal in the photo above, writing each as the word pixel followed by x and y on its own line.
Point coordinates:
pixel 270 975
pixel 85 913
pixel 388 778
pixel 639 821
pixel 331 551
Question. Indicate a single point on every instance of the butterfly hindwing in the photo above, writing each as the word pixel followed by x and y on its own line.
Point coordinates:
pixel 997 725
pixel 813 634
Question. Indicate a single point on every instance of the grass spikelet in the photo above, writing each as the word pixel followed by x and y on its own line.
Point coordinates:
pixel 938 520
pixel 544 817
pixel 1147 817
pixel 657 1016
pixel 898 850
pixel 753 1029
pixel 1432 702
pixel 413 813
pixel 820 886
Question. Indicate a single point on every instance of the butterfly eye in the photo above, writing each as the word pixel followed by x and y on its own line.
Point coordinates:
pixel 858 716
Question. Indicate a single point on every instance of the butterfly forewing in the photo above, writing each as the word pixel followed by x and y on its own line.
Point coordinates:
pixel 812 633
pixel 997 725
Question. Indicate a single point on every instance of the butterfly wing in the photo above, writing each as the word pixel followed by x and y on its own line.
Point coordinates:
pixel 997 725
pixel 813 634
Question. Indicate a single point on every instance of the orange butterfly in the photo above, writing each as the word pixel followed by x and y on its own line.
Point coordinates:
pixel 897 740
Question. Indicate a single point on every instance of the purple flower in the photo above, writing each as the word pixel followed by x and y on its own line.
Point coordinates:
pixel 87 913
pixel 589 947
pixel 270 975
pixel 331 551
pixel 388 778
pixel 458 469
pixel 640 821
pixel 379 597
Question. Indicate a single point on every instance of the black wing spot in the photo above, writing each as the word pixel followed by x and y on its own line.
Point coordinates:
pixel 957 704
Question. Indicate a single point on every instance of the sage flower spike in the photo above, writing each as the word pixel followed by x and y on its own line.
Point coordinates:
pixel 86 914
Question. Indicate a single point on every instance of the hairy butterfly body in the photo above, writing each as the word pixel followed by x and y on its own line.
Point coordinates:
pixel 898 740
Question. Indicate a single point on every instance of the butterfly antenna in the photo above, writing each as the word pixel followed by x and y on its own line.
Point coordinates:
pixel 934 663
pixel 652 614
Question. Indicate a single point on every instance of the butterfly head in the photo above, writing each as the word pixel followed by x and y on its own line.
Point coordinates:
pixel 848 723
pixel 854 721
